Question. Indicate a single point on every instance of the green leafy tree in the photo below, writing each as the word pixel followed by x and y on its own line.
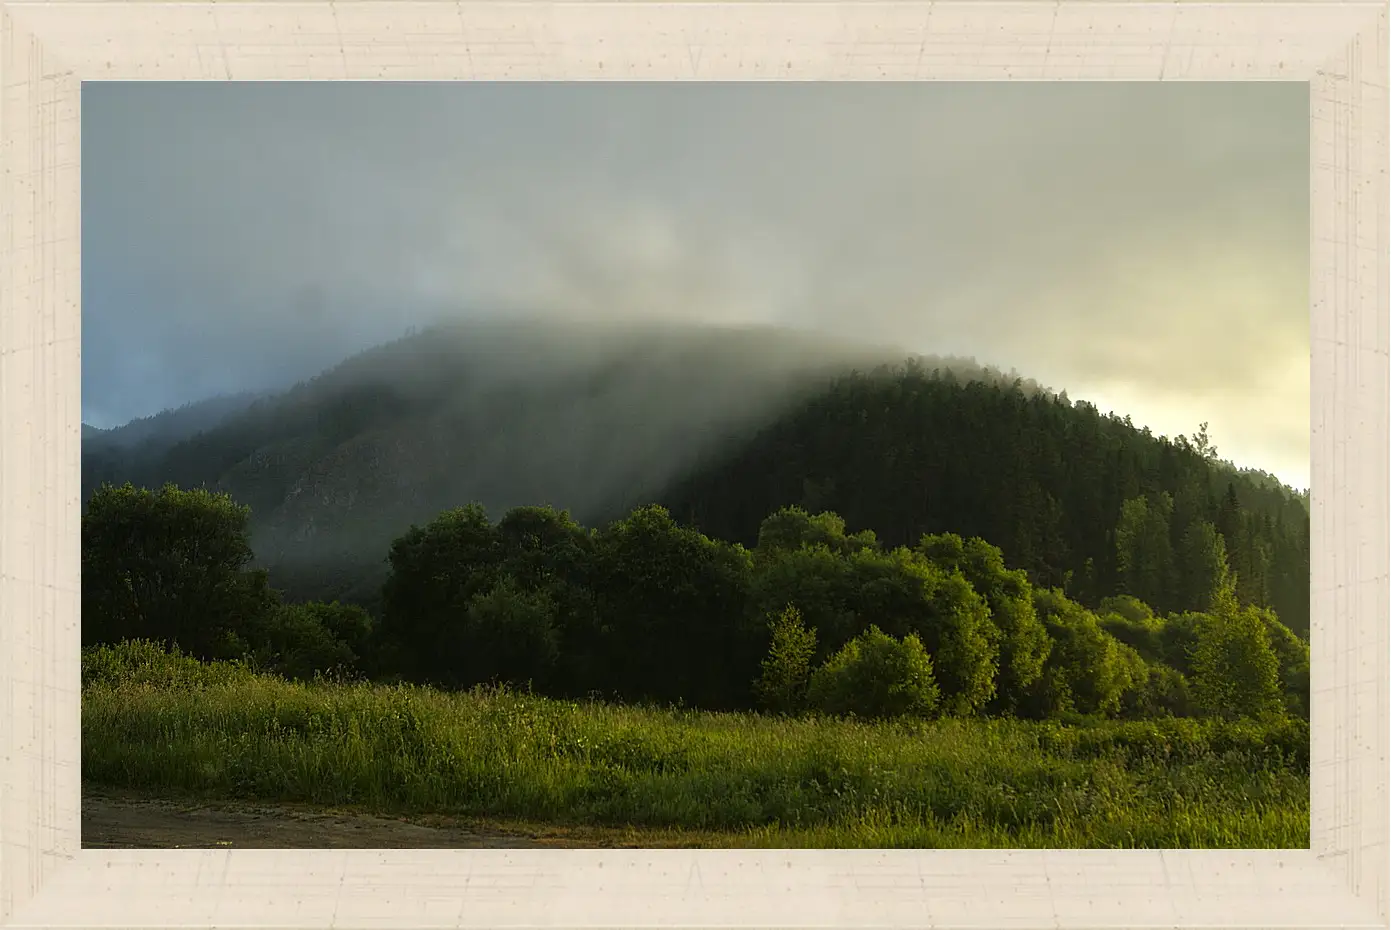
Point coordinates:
pixel 675 611
pixel 1236 672
pixel 875 675
pixel 841 594
pixel 1088 671
pixel 819 583
pixel 782 688
pixel 542 546
pixel 1142 636
pixel 436 571
pixel 171 566
pixel 546 550
pixel 904 594
pixel 1022 640
pixel 1253 581
pixel 794 528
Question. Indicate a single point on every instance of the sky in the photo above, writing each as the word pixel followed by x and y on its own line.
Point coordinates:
pixel 1141 246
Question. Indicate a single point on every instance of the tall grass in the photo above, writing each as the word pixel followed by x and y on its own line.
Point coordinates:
pixel 168 725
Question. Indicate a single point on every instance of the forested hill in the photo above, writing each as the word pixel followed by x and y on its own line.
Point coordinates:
pixel 1080 500
pixel 589 417
pixel 724 426
pixel 153 434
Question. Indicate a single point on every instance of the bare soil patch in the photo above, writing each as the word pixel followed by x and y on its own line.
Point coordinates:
pixel 114 821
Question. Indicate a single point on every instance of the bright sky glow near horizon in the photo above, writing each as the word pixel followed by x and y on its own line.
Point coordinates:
pixel 1142 246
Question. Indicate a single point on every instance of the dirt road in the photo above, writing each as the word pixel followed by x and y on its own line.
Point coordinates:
pixel 116 822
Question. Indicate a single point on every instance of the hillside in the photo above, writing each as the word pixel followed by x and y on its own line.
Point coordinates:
pixel 592 418
pixel 137 447
pixel 162 430
pixel 913 450
pixel 723 426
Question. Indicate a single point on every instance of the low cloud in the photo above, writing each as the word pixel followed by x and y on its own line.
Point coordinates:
pixel 1139 244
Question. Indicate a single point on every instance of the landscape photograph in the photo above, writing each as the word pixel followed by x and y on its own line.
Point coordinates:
pixel 763 465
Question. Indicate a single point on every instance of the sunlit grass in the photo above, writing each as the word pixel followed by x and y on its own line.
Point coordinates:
pixel 175 727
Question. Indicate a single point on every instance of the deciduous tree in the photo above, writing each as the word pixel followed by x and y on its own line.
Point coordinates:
pixel 170 566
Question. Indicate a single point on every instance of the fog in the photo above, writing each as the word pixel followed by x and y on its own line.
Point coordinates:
pixel 592 420
pixel 1144 246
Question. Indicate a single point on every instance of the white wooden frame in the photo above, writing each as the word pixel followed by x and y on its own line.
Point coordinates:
pixel 48 48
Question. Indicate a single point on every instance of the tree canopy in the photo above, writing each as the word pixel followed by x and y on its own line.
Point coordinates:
pixel 814 618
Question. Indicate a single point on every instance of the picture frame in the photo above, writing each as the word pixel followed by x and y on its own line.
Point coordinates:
pixel 49 47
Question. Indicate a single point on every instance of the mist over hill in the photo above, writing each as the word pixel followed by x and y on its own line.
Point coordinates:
pixel 721 424
pixel 593 418
pixel 159 431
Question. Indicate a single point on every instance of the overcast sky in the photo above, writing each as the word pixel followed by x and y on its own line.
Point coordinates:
pixel 1143 246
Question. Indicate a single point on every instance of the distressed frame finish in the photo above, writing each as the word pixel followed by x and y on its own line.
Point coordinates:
pixel 48 48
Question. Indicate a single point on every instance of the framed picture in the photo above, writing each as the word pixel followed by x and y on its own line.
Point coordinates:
pixel 704 464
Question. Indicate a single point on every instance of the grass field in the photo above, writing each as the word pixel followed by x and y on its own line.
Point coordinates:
pixel 167 727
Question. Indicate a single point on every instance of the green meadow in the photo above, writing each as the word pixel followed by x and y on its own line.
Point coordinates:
pixel 172 726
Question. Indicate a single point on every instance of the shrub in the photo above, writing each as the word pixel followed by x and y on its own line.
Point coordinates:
pixel 149 664
pixel 347 622
pixel 1159 692
pixel 875 675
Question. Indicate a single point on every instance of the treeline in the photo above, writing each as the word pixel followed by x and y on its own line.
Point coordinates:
pixel 645 610
pixel 1080 501
pixel 724 429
